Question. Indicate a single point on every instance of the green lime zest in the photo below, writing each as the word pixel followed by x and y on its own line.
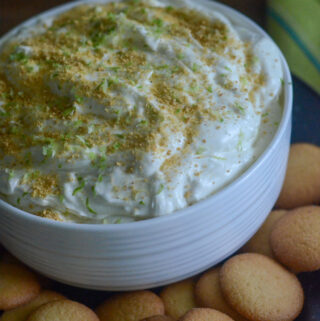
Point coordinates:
pixel 80 187
pixel 200 150
pixel 88 207
pixel 239 108
pixel 19 56
pixel 11 174
pixel 160 189
pixel 218 157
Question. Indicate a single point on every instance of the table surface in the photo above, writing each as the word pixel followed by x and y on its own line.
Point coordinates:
pixel 305 128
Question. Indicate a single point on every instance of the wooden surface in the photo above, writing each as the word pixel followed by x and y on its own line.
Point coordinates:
pixel 13 12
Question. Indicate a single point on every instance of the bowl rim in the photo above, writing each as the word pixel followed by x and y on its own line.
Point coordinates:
pixel 193 209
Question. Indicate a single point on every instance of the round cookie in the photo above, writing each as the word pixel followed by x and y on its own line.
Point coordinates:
pixel 205 314
pixel 63 310
pixel 159 317
pixel 22 312
pixel 260 242
pixel 18 285
pixel 260 289
pixel 178 298
pixel 134 306
pixel 295 239
pixel 7 257
pixel 302 182
pixel 208 294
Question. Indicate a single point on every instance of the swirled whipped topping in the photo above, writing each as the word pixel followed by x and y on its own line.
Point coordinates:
pixel 117 112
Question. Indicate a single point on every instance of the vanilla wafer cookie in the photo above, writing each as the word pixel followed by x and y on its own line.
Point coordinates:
pixel 134 306
pixel 260 289
pixel 302 182
pixel 208 294
pixel 22 312
pixel 178 298
pixel 159 317
pixel 18 285
pixel 295 239
pixel 205 314
pixel 63 310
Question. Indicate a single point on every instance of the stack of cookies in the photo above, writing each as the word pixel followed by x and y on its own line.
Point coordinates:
pixel 22 298
pixel 258 284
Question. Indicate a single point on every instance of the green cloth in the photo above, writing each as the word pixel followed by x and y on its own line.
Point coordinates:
pixel 295 26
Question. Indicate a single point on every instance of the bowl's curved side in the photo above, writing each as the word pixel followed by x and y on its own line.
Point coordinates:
pixel 157 251
pixel 109 260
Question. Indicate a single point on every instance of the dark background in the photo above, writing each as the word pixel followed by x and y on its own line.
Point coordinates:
pixel 14 11
pixel 306 120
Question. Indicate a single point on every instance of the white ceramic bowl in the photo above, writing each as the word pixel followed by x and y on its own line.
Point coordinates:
pixel 161 250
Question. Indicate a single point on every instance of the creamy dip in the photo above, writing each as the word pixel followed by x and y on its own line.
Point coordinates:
pixel 117 112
